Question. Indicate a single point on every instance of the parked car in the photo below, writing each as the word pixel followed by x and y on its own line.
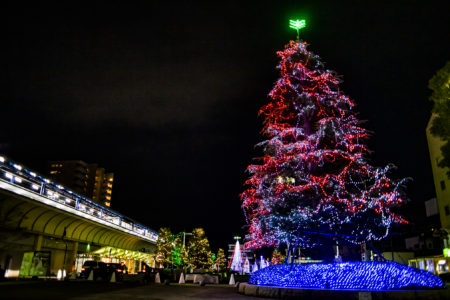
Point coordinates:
pixel 148 273
pixel 118 269
pixel 100 269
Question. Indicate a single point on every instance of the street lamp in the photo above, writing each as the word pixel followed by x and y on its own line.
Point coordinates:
pixel 184 245
pixel 184 238
pixel 65 251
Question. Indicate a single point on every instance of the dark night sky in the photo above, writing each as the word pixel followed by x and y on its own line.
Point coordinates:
pixel 166 95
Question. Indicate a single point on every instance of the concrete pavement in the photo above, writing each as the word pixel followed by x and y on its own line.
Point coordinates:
pixel 51 289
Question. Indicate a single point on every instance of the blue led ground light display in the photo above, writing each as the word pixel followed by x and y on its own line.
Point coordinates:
pixel 347 276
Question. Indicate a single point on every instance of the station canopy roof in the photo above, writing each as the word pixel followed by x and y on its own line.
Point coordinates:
pixel 122 253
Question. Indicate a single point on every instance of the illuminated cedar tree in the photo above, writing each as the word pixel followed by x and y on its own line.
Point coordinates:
pixel 164 245
pixel 313 175
pixel 198 249
pixel 184 257
pixel 177 249
pixel 221 260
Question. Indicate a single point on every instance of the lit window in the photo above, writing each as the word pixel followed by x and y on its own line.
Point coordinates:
pixel 53 172
pixel 108 204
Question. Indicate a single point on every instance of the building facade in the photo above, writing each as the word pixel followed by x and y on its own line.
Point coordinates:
pixel 441 181
pixel 89 180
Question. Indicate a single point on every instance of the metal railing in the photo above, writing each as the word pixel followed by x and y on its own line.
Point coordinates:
pixel 20 179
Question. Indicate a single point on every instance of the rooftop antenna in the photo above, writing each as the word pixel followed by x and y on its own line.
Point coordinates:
pixel 297 25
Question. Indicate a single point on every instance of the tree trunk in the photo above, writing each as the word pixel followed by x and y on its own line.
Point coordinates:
pixel 288 254
pixel 293 255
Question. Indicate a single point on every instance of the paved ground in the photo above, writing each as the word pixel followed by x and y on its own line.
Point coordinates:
pixel 103 290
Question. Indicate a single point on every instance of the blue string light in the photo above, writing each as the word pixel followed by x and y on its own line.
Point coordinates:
pixel 347 276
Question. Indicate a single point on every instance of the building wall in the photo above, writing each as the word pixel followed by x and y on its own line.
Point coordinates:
pixel 12 247
pixel 91 180
pixel 107 185
pixel 72 174
pixel 441 181
pixel 16 244
pixel 85 179
pixel 400 257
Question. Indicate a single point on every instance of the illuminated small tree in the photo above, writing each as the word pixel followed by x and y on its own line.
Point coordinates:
pixel 185 259
pixel 198 250
pixel 221 260
pixel 164 246
pixel 237 259
pixel 277 257
pixel 177 248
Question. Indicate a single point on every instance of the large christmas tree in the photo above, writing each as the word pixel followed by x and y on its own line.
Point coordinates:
pixel 314 176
